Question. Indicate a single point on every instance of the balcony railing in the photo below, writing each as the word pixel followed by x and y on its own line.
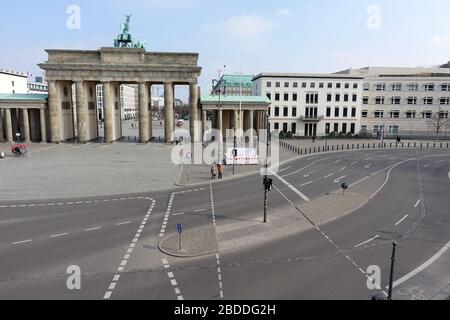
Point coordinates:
pixel 311 118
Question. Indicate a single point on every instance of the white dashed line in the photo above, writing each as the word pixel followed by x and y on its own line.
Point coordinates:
pixel 219 269
pixel 21 242
pixel 366 242
pixel 59 235
pixel 330 175
pixel 92 229
pixel 130 249
pixel 172 280
pixel 401 220
pixel 417 203
pixel 343 169
pixel 200 210
pixel 123 223
pixel 306 184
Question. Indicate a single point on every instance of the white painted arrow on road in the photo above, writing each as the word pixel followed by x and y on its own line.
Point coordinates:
pixel 339 179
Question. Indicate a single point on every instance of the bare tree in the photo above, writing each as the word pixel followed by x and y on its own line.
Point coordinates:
pixel 439 121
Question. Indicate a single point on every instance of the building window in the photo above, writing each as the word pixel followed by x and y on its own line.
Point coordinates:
pixel 353 128
pixel 344 128
pixel 327 128
pixel 429 87
pixel 277 84
pixel 328 112
pixel 443 114
pixel 393 129
pixel 286 97
pixel 366 87
pixel 12 83
pixel 396 87
pixel 345 115
pixel 338 85
pixel 395 100
pixel 365 100
pixel 285 112
pixel 355 86
pixel 347 86
pixel 304 85
pixel 410 114
pixel 329 97
pixel 330 85
pixel 277 111
pixel 379 114
pixel 413 87
pixel 412 100
pixel 364 128
pixel 381 87
pixel 353 112
pixel 428 114
pixel 428 100
pixel 345 97
pixel 379 100
pixel 445 101
pixel 312 98
pixel 294 111
pixel 277 97
pixel 313 85
pixel 269 84
pixel 276 126
pixel 336 112
pixel 321 85
pixel 338 97
pixel 286 84
pixel 336 127
pixel 394 114
pixel 295 84
pixel 285 127
pixel 294 97
pixel 294 128
pixel 445 87
pixel 269 96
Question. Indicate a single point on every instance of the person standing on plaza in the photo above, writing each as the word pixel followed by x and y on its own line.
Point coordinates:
pixel 221 169
pixel 213 172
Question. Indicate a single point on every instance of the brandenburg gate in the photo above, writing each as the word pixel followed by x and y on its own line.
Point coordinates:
pixel 112 67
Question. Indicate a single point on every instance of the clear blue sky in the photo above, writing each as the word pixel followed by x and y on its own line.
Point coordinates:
pixel 257 35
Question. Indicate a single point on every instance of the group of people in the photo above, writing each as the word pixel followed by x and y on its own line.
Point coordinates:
pixel 217 170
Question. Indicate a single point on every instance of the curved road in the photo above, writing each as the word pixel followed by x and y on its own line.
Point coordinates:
pixel 114 241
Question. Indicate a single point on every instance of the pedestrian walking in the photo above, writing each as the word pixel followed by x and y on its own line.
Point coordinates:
pixel 314 139
pixel 399 140
pixel 213 172
pixel 221 169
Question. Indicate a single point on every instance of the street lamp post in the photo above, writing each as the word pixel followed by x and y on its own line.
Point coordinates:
pixel 218 83
pixel 267 182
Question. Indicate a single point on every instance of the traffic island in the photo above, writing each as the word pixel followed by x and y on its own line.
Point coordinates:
pixel 195 243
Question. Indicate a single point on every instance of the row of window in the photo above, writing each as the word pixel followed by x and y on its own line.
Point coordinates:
pixel 393 129
pixel 312 85
pixel 313 98
pixel 410 114
pixel 312 112
pixel 337 112
pixel 409 87
pixel 409 100
pixel 311 129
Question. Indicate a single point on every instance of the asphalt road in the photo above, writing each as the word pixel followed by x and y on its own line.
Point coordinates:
pixel 114 241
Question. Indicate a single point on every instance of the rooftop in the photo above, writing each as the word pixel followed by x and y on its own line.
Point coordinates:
pixel 307 76
pixel 28 97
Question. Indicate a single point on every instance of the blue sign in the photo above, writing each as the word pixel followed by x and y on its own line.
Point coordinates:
pixel 179 228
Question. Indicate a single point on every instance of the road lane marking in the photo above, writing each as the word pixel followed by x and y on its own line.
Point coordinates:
pixel 92 229
pixel 366 242
pixel 339 179
pixel 127 256
pixel 427 165
pixel 219 268
pixel 306 167
pixel 199 210
pixel 401 220
pixel 337 161
pixel 59 235
pixel 290 186
pixel 21 242
pixel 368 166
pixel 330 175
pixel 172 279
pixel 306 184
pixel 353 163
pixel 343 169
pixel 417 203
pixel 359 181
pixel 284 169
pixel 423 266
pixel 167 215
pixel 449 174
pixel 122 223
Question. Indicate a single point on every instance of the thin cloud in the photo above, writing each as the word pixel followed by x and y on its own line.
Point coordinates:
pixel 246 26
pixel 284 12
